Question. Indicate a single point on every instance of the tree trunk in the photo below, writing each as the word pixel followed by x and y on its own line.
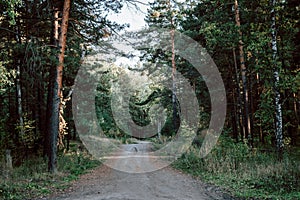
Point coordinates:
pixel 296 111
pixel 8 158
pixel 57 86
pixel 19 102
pixel 234 116
pixel 174 81
pixel 258 93
pixel 173 69
pixel 246 121
pixel 239 100
pixel 251 111
pixel 41 111
pixel 18 88
pixel 278 111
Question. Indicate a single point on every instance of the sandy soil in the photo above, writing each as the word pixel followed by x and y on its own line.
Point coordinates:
pixel 105 183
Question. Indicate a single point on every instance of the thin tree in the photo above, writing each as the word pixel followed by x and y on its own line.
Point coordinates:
pixel 238 112
pixel 172 32
pixel 247 122
pixel 278 111
pixel 19 91
pixel 162 13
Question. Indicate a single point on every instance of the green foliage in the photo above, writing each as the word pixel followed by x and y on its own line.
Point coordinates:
pixel 30 180
pixel 163 14
pixel 25 181
pixel 29 137
pixel 6 78
pixel 10 9
pixel 212 24
pixel 246 173
pixel 140 104
pixel 27 43
pixel 103 104
pixel 76 164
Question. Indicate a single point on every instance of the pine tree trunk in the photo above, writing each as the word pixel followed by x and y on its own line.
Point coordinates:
pixel 57 86
pixel 174 88
pixel 246 121
pixel 234 116
pixel 278 111
pixel 174 81
pixel 239 100
pixel 52 123
pixel 251 111
pixel 258 93
pixel 41 111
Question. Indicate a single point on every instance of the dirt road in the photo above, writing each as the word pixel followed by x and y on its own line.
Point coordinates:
pixel 105 183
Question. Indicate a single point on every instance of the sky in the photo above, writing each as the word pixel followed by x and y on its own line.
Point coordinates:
pixel 131 15
pixel 135 18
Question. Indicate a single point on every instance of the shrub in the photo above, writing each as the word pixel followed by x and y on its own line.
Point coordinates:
pixel 247 173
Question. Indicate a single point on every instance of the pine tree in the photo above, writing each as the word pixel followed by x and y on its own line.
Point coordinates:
pixel 163 14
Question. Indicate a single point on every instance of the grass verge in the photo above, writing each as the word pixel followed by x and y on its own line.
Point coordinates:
pixel 245 173
pixel 31 180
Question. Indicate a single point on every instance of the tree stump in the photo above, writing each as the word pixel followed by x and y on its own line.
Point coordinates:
pixel 7 165
pixel 8 159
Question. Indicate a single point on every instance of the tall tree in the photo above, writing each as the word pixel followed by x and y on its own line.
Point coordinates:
pixel 31 22
pixel 164 14
pixel 246 117
pixel 173 61
pixel 276 68
pixel 56 90
pixel 18 87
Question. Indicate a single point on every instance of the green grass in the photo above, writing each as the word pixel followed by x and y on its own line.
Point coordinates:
pixel 31 179
pixel 245 173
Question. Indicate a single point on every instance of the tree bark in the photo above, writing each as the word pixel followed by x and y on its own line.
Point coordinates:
pixel 18 87
pixel 258 93
pixel 174 88
pixel 278 111
pixel 247 121
pixel 174 81
pixel 296 112
pixel 239 100
pixel 8 158
pixel 19 102
pixel 57 86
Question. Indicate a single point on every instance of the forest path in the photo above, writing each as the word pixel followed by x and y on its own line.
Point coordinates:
pixel 105 183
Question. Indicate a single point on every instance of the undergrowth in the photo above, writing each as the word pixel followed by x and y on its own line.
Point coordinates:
pixel 244 172
pixel 31 180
